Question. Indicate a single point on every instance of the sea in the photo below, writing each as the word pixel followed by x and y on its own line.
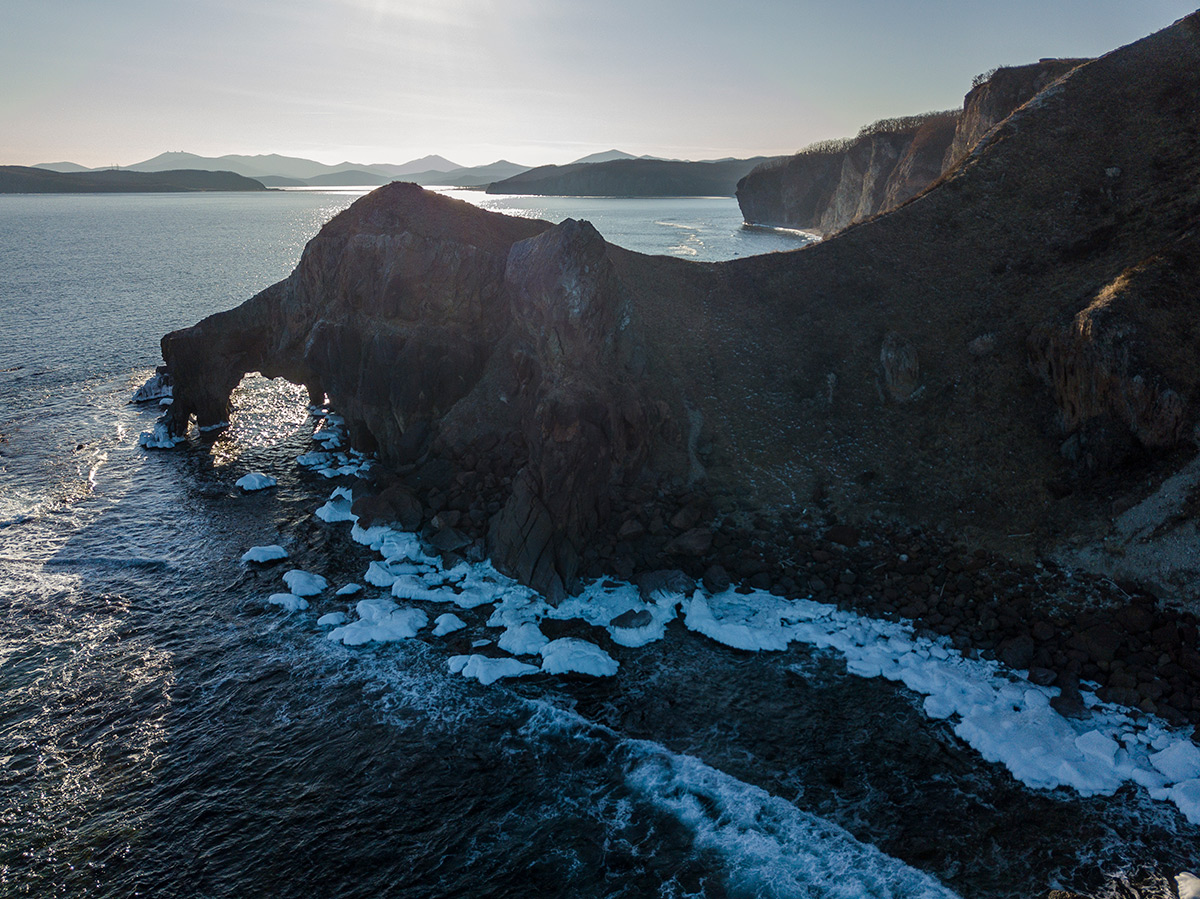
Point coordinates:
pixel 166 730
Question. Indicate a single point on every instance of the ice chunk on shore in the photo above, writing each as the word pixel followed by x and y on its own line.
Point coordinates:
pixel 1178 762
pixel 302 583
pixel 523 639
pixel 569 655
pixel 1188 884
pixel 488 670
pixel 290 601
pixel 1186 796
pixel 338 507
pixel 159 438
pixel 447 623
pixel 739 621
pixel 409 586
pixel 380 621
pixel 379 575
pixel 255 480
pixel 272 553
pixel 314 460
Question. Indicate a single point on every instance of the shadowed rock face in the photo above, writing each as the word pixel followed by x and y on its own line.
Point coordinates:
pixel 825 189
pixel 931 365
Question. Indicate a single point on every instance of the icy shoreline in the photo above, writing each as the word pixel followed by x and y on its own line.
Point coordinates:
pixel 1006 718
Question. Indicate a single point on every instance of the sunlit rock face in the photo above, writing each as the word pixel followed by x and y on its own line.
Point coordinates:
pixel 1008 354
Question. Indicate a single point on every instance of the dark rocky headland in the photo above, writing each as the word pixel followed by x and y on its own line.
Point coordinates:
pixel 977 410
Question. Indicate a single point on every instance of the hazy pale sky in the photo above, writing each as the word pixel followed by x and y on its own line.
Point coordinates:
pixel 100 82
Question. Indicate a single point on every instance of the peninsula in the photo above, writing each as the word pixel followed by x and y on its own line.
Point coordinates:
pixel 16 179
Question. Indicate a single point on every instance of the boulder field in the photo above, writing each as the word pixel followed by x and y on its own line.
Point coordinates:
pixel 1009 357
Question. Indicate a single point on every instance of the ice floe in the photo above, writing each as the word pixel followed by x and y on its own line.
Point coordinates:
pixel 380 621
pixel 447 623
pixel 272 553
pixel 255 480
pixel 290 601
pixel 488 670
pixel 568 655
pixel 332 619
pixel 303 583
pixel 338 507
pixel 349 589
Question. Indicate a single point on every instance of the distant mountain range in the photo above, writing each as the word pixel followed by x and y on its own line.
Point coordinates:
pixel 611 172
pixel 274 170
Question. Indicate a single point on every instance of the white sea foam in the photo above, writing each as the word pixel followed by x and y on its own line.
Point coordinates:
pixel 255 480
pixel 770 847
pixel 272 553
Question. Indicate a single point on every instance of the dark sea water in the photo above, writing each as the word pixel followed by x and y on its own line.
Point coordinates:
pixel 166 732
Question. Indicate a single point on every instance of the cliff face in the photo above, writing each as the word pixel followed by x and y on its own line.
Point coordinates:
pixel 988 104
pixel 1006 355
pixel 830 186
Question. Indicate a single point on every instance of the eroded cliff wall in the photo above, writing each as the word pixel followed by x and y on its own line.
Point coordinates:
pixel 828 186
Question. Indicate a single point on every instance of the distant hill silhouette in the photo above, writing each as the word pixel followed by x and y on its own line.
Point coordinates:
pixel 630 178
pixel 16 179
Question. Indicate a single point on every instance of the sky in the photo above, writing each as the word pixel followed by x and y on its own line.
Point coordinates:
pixel 104 82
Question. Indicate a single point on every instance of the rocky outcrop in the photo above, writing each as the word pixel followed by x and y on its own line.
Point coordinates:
pixel 925 366
pixel 831 185
pixel 994 97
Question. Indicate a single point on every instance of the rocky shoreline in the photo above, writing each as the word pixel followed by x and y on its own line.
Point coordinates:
pixel 1058 625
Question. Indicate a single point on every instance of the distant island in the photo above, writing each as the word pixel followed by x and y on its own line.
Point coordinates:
pixel 18 179
pixel 631 178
